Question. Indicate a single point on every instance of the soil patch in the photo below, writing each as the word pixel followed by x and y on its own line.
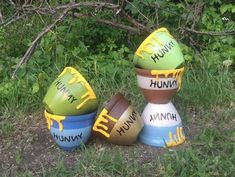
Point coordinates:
pixel 31 147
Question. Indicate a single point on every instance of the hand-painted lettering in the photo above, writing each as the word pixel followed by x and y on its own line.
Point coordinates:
pixel 163 51
pixel 163 116
pixel 62 138
pixel 62 88
pixel 127 125
pixel 163 84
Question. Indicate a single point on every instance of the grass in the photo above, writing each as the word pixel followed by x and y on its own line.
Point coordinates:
pixel 206 104
pixel 209 154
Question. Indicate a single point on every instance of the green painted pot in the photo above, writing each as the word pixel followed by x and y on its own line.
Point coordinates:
pixel 159 51
pixel 70 94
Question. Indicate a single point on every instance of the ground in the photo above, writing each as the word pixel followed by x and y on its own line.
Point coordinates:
pixel 30 147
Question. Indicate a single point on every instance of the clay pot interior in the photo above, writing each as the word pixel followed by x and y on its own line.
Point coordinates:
pixel 110 122
pixel 113 111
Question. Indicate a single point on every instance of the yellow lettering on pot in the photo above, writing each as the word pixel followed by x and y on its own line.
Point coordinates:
pixel 148 43
pixel 78 78
pixel 177 73
pixel 177 138
pixel 103 118
pixel 50 118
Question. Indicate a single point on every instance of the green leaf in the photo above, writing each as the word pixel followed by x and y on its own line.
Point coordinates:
pixel 59 49
pixel 226 7
pixel 35 88
pixel 223 8
pixel 233 9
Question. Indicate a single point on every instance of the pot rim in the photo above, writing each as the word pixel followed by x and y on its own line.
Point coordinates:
pixel 150 72
pixel 162 29
pixel 78 74
pixel 113 101
pixel 72 118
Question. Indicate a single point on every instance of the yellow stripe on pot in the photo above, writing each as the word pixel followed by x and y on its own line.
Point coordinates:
pixel 78 78
pixel 177 138
pixel 103 117
pixel 50 118
pixel 147 43
pixel 176 73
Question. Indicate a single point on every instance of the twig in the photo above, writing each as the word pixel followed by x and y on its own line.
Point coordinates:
pixel 135 23
pixel 13 19
pixel 12 3
pixel 53 10
pixel 88 4
pixel 32 47
pixel 107 22
pixel 138 11
pixel 211 33
pixel 1 17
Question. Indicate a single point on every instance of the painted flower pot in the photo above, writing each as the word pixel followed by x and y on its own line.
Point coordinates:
pixel 118 122
pixel 70 132
pixel 162 126
pixel 70 94
pixel 159 51
pixel 159 86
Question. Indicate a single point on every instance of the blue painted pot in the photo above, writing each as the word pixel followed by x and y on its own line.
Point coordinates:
pixel 70 132
pixel 162 136
pixel 162 126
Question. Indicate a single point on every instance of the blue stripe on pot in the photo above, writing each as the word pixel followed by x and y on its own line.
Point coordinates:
pixel 159 136
pixel 76 131
pixel 79 121
pixel 71 138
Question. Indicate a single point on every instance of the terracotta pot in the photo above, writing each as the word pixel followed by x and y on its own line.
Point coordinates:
pixel 159 51
pixel 159 86
pixel 162 126
pixel 118 122
pixel 70 132
pixel 70 94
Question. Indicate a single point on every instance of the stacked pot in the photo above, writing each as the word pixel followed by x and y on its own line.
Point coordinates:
pixel 70 109
pixel 159 67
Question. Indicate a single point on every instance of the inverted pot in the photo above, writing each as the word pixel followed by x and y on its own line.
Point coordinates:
pixel 159 86
pixel 70 94
pixel 118 122
pixel 159 51
pixel 162 126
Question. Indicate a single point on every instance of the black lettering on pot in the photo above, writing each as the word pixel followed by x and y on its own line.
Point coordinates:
pixel 162 116
pixel 63 89
pixel 160 54
pixel 62 138
pixel 163 84
pixel 127 124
